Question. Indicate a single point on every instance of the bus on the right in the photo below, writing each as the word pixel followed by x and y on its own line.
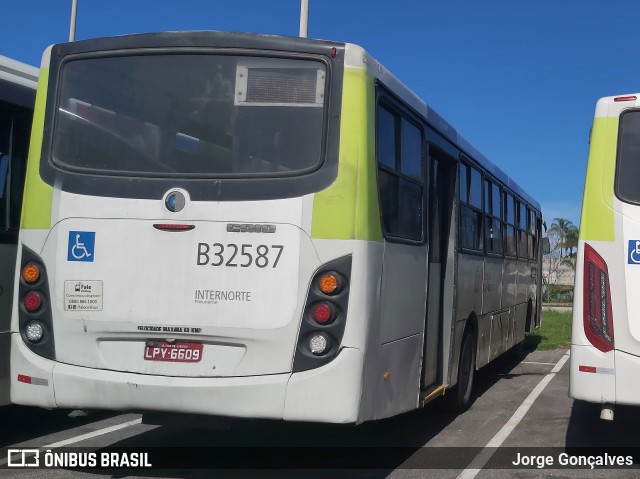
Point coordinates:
pixel 605 340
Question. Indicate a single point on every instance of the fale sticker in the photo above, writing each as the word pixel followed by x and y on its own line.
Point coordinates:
pixel 81 246
pixel 83 295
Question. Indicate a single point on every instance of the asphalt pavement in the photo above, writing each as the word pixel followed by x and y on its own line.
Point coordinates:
pixel 521 408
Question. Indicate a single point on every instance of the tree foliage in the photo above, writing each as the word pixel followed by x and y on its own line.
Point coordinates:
pixel 563 240
pixel 565 235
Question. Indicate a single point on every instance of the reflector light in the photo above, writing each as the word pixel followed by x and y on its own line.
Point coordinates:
pixel 329 283
pixel 173 227
pixel 32 301
pixel 30 273
pixel 334 52
pixel 625 98
pixel 597 315
pixel 323 313
pixel 587 369
pixel 24 379
pixel 34 332
pixel 319 344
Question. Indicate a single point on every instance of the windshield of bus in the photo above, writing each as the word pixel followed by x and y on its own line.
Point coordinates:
pixel 190 115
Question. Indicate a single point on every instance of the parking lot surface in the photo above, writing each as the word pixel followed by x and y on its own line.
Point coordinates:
pixel 521 407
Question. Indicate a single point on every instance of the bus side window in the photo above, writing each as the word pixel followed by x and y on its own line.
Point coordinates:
pixel 531 238
pixel 628 166
pixel 470 228
pixel 510 221
pixel 14 136
pixel 493 226
pixel 522 230
pixel 399 153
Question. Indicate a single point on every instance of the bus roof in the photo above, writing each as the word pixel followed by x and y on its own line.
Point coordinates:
pixel 18 82
pixel 356 56
pixel 18 72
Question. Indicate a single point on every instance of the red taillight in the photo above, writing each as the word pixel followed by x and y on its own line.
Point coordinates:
pixel 323 313
pixel 625 98
pixel 598 320
pixel 173 227
pixel 32 301
pixel 24 379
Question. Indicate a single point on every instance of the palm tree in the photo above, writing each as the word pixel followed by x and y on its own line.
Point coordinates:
pixel 567 234
pixel 571 245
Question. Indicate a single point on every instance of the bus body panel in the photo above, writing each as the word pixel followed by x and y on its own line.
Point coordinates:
pixel 510 283
pixel 469 287
pixel 328 394
pixel 247 317
pixel 26 363
pixel 403 291
pixel 627 328
pixel 5 355
pixel 398 378
pixel 485 323
pixel 596 387
pixel 492 291
pixel 626 378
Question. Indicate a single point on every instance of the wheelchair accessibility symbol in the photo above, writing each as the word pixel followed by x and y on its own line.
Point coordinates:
pixel 81 246
pixel 634 252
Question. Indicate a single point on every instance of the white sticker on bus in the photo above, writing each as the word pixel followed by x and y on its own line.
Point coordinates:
pixel 83 295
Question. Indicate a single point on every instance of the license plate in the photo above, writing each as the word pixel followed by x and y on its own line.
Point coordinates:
pixel 173 352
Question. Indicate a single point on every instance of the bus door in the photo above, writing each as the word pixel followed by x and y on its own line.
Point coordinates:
pixel 440 210
pixel 404 268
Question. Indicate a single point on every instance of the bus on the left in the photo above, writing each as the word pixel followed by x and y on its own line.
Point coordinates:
pixel 18 83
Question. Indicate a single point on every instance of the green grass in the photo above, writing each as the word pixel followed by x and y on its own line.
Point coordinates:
pixel 554 333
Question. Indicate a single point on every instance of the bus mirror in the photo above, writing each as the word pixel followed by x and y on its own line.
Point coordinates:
pixel 546 247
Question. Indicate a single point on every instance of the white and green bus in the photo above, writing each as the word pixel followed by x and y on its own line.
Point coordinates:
pixel 258 226
pixel 605 340
pixel 18 83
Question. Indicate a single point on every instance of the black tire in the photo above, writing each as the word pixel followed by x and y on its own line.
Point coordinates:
pixel 458 399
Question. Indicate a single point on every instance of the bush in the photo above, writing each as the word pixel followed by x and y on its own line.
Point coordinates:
pixel 557 293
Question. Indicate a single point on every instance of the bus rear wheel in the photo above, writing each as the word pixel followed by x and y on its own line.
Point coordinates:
pixel 458 398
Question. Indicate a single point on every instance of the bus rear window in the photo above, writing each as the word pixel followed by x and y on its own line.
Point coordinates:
pixel 190 115
pixel 628 166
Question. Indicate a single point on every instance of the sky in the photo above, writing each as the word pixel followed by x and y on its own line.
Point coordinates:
pixel 518 79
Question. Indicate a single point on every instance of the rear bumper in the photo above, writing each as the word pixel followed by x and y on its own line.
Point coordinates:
pixel 627 385
pixel 327 394
pixel 614 381
pixel 596 387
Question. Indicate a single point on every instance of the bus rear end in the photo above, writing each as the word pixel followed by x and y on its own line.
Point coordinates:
pixel 166 253
pixel 605 345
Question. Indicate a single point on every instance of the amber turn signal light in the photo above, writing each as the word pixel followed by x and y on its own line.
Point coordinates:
pixel 30 273
pixel 330 283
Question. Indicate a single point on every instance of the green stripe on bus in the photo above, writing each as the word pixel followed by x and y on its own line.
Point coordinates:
pixel 36 206
pixel 348 209
pixel 596 222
